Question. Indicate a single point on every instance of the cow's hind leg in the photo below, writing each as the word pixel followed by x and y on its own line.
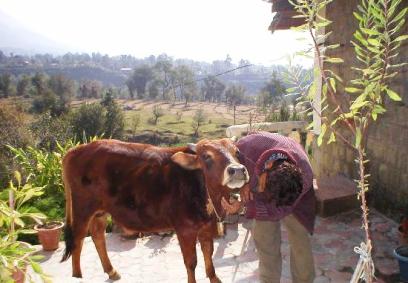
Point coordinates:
pixel 79 231
pixel 205 236
pixel 97 229
pixel 187 239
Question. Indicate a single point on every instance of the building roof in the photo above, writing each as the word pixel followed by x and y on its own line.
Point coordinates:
pixel 283 18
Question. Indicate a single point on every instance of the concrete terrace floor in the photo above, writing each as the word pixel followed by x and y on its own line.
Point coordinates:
pixel 159 259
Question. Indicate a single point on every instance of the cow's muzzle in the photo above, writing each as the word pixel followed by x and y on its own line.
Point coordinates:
pixel 235 176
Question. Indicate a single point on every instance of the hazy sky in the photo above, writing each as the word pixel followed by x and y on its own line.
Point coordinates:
pixel 201 30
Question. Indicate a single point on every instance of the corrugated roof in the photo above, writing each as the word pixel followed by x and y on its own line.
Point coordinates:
pixel 283 18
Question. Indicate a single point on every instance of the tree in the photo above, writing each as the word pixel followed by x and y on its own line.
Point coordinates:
pixel 157 113
pixel 234 96
pixel 48 130
pixel 14 132
pixel 38 81
pixel 88 121
pixel 23 85
pixel 5 84
pixel 348 116
pixel 135 122
pixel 64 89
pixel 153 88
pixel 114 119
pixel 162 70
pixel 53 96
pixel 212 89
pixel 90 89
pixel 272 93
pixel 198 121
pixel 186 82
pixel 138 80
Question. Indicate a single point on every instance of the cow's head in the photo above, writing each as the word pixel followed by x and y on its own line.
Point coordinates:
pixel 218 160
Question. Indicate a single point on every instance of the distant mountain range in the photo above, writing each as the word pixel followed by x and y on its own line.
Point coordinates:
pixel 19 39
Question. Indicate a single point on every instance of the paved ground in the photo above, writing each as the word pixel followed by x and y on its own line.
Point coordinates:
pixel 157 259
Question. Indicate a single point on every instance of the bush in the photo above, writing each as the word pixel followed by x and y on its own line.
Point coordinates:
pixel 101 120
pixel 157 113
pixel 281 116
pixel 198 121
pixel 15 214
pixel 13 131
pixel 179 115
pixel 135 122
pixel 114 118
pixel 49 130
pixel 44 169
pixel 87 121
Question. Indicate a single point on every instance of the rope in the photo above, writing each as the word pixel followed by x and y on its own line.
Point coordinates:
pixel 212 204
pixel 365 262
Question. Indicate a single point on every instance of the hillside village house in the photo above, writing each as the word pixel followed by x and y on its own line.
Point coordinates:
pixel 388 137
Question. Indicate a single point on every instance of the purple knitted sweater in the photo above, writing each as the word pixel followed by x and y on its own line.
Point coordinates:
pixel 256 148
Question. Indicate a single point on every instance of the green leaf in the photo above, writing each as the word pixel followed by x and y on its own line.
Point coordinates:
pixel 334 60
pixel 393 95
pixel 358 105
pixel 370 31
pixel 322 133
pixel 27 231
pixel 17 175
pixel 333 46
pixel 322 24
pixel 352 90
pixel 332 138
pixel 399 16
pixel 374 42
pixel 378 109
pixel 332 82
pixel 357 35
pixel 358 137
pixel 19 222
pixel 36 257
pixel 36 267
pixel 357 16
pixel 401 38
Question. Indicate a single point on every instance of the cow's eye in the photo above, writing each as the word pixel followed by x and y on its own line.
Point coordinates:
pixel 238 154
pixel 206 157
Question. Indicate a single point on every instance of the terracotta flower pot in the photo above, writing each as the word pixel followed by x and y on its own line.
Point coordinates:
pixel 19 272
pixel 19 275
pixel 49 234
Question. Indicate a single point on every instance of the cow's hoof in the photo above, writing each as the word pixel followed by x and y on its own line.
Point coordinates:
pixel 215 280
pixel 77 275
pixel 114 275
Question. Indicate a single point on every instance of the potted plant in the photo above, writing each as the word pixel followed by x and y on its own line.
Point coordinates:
pixel 49 234
pixel 15 255
pixel 401 253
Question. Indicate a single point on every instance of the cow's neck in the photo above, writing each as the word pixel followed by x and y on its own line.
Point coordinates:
pixel 211 203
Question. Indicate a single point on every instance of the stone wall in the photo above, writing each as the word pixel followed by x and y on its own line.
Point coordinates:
pixel 388 137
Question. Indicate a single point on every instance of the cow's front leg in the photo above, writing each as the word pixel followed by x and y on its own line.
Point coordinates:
pixel 205 236
pixel 187 239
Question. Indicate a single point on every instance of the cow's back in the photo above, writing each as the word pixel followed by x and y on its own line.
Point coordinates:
pixel 137 184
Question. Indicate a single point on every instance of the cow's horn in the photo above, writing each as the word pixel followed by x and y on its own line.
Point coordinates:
pixel 192 147
pixel 234 138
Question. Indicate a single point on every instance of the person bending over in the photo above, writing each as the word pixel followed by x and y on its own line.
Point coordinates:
pixel 280 191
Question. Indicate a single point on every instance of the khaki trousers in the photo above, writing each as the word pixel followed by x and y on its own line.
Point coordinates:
pixel 267 237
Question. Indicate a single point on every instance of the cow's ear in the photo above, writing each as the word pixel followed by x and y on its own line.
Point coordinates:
pixel 186 160
pixel 192 147
pixel 269 164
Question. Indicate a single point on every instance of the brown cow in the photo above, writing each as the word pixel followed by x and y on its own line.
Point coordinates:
pixel 148 189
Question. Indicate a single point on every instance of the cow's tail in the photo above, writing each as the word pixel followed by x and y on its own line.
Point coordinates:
pixel 68 234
